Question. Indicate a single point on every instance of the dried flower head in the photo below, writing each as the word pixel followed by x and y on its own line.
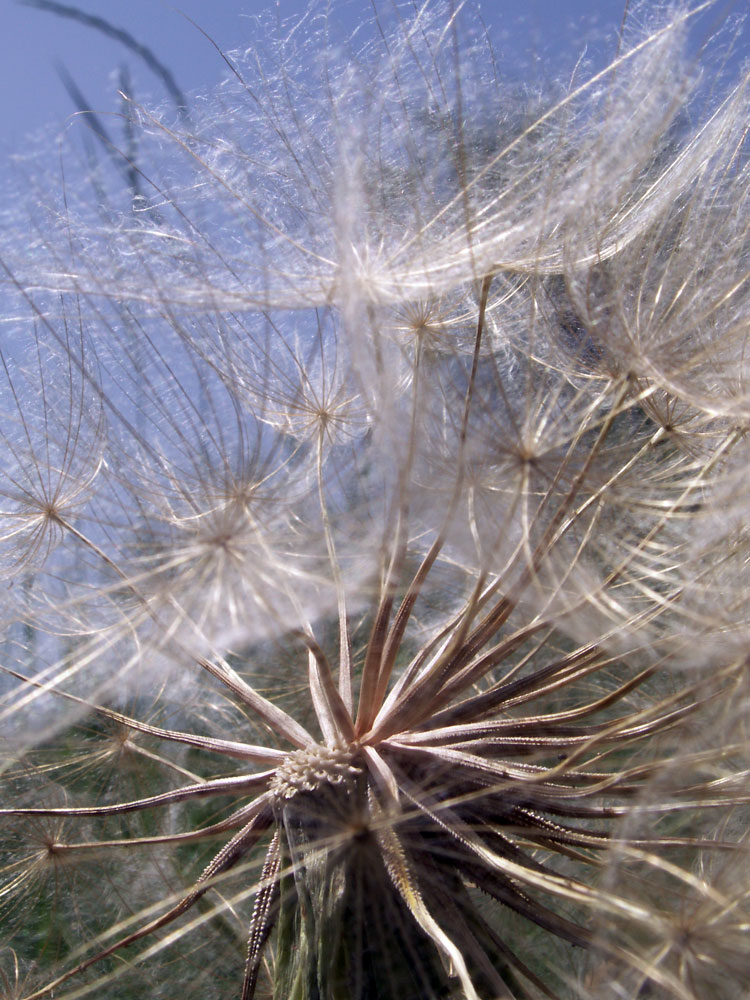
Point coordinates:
pixel 380 546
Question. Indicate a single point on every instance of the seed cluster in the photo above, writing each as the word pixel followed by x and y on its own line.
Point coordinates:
pixel 307 769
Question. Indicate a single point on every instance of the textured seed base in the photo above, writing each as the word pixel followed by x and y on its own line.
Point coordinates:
pixel 307 769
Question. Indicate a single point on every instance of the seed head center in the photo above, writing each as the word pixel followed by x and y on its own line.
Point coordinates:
pixel 312 767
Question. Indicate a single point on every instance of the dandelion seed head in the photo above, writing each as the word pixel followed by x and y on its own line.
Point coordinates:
pixel 375 508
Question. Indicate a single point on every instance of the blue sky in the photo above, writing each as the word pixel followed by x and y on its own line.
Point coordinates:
pixel 35 42
pixel 544 37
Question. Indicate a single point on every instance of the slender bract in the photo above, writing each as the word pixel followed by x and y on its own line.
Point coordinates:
pixel 374 516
